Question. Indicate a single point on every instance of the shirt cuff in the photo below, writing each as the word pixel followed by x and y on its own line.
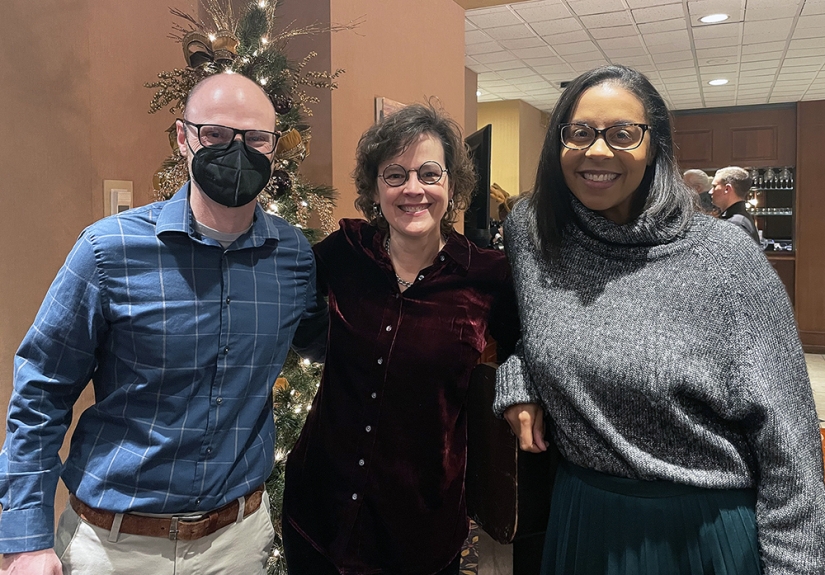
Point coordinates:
pixel 26 529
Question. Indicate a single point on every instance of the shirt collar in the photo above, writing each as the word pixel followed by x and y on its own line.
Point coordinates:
pixel 371 241
pixel 176 216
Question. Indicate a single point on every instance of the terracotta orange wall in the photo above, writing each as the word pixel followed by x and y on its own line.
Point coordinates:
pixel 75 113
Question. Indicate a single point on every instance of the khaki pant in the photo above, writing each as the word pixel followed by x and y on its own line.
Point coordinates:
pixel 241 548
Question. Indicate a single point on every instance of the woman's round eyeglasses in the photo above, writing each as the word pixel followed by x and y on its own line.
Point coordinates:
pixel 622 137
pixel 428 173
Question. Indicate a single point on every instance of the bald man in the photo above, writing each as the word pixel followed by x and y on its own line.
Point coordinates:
pixel 181 314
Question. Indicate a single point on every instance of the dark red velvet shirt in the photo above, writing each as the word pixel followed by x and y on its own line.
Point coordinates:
pixel 376 479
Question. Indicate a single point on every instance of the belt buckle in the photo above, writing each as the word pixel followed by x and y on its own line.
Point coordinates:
pixel 173 528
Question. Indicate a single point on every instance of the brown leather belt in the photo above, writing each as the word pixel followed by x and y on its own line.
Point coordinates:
pixel 175 527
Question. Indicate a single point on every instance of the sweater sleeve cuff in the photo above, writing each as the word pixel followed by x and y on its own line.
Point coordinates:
pixel 26 529
pixel 513 384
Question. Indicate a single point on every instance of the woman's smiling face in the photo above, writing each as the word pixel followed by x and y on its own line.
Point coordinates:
pixel 603 179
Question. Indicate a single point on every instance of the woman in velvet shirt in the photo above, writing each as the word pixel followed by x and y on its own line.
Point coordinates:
pixel 375 483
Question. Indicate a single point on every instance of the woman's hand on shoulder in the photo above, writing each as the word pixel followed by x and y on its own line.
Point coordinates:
pixel 527 422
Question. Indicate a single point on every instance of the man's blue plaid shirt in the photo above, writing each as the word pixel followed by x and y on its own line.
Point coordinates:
pixel 182 340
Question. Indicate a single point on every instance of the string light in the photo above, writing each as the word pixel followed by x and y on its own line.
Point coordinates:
pixel 212 37
pixel 305 361
pixel 264 40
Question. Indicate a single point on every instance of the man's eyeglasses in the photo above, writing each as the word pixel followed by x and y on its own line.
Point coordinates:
pixel 215 136
pixel 428 173
pixel 621 137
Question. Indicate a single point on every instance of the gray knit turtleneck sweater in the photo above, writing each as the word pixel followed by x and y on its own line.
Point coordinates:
pixel 667 353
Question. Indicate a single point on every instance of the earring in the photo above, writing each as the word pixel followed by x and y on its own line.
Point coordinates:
pixel 450 204
pixel 376 208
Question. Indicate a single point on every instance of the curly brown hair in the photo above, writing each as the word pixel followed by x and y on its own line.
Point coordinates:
pixel 391 137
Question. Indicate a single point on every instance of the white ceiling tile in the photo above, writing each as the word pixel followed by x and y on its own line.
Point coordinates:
pixel 761 47
pixel 731 52
pixel 617 32
pixel 493 57
pixel 516 74
pixel 807 33
pixel 615 43
pixel 717 42
pixel 539 13
pixel 680 64
pixel 520 43
pixel 679 76
pixel 807 43
pixel 699 8
pixel 759 68
pixel 626 53
pixel 543 52
pixel 793 77
pixel 811 8
pixel 662 26
pixel 777 27
pixel 646 3
pixel 804 52
pixel 768 56
pixel 506 65
pixel 530 87
pixel 632 61
pixel 483 48
pixel 813 21
pixel 584 57
pixel 767 4
pixel 475 37
pixel 575 48
pixel 672 57
pixel 607 20
pixel 656 13
pixel 468 25
pixel 731 30
pixel 783 10
pixel 554 61
pixel 469 62
pixel 510 32
pixel 794 67
pixel 500 17
pixel 569 37
pixel 675 38
pixel 585 7
pixel 549 29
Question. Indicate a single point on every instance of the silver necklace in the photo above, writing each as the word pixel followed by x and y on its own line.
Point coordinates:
pixel 404 283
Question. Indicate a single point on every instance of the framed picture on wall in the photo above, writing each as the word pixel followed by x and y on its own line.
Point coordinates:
pixel 384 107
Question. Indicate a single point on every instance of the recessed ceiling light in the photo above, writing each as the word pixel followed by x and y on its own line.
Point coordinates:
pixel 713 18
pixel 718 82
pixel 478 93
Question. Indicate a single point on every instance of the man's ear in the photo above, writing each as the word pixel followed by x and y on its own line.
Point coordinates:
pixel 180 128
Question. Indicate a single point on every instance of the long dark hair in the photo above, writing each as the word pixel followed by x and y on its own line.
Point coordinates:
pixel 661 191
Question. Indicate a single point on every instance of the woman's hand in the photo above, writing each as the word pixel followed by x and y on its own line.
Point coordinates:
pixel 527 422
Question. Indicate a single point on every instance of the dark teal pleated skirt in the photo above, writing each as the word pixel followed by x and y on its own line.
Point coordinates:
pixel 605 525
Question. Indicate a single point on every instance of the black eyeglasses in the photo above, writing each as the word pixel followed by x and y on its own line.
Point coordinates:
pixel 428 173
pixel 215 136
pixel 622 137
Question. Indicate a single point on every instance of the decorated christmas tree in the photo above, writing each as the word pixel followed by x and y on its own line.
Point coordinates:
pixel 252 44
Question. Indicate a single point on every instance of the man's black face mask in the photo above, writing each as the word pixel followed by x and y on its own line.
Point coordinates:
pixel 232 176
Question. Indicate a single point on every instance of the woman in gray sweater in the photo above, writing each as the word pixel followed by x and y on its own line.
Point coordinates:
pixel 660 349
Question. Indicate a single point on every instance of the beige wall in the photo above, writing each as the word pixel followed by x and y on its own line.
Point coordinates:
pixel 75 113
pixel 383 56
pixel 518 134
